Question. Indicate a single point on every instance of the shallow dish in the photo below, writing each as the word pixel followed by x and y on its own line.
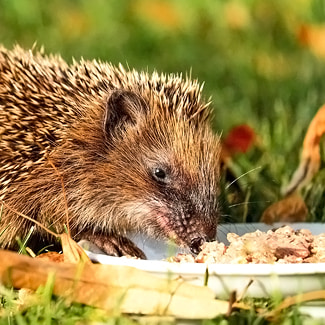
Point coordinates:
pixel 257 280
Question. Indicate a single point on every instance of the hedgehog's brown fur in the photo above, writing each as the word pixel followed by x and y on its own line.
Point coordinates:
pixel 106 130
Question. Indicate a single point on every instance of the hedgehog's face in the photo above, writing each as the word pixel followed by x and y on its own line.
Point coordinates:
pixel 167 172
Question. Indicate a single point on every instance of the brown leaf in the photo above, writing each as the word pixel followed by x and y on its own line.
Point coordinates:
pixel 72 252
pixel 52 256
pixel 290 209
pixel 111 286
pixel 310 157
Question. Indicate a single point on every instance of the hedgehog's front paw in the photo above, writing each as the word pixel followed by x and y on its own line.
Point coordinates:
pixel 114 245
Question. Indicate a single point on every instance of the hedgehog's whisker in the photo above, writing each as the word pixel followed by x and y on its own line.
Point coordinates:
pixel 226 218
pixel 249 202
pixel 242 175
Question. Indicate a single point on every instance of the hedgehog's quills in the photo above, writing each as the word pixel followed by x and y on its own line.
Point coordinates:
pixel 135 151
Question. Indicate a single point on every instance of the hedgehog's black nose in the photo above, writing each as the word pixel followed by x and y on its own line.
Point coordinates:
pixel 196 244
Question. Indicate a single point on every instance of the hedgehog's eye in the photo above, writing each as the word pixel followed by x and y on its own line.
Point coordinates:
pixel 160 175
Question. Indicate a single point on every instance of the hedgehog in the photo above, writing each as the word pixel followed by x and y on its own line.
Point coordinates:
pixel 114 149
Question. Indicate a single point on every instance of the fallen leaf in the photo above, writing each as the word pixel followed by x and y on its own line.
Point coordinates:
pixel 290 209
pixel 51 256
pixel 310 157
pixel 113 286
pixel 239 140
pixel 72 252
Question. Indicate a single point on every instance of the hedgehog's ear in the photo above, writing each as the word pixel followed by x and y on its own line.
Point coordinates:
pixel 122 108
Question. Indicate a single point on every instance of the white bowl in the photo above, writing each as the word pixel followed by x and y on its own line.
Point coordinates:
pixel 257 280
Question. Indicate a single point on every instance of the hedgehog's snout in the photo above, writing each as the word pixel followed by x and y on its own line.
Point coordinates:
pixel 198 240
pixel 196 243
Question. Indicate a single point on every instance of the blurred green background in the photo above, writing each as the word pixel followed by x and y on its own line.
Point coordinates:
pixel 262 62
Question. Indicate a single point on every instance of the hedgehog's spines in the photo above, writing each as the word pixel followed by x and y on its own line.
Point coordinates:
pixel 53 110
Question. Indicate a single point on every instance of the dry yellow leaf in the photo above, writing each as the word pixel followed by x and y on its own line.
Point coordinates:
pixel 310 157
pixel 110 287
pixel 51 256
pixel 290 209
pixel 72 252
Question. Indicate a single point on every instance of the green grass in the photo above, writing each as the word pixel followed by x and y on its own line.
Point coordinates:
pixel 257 73
pixel 42 308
